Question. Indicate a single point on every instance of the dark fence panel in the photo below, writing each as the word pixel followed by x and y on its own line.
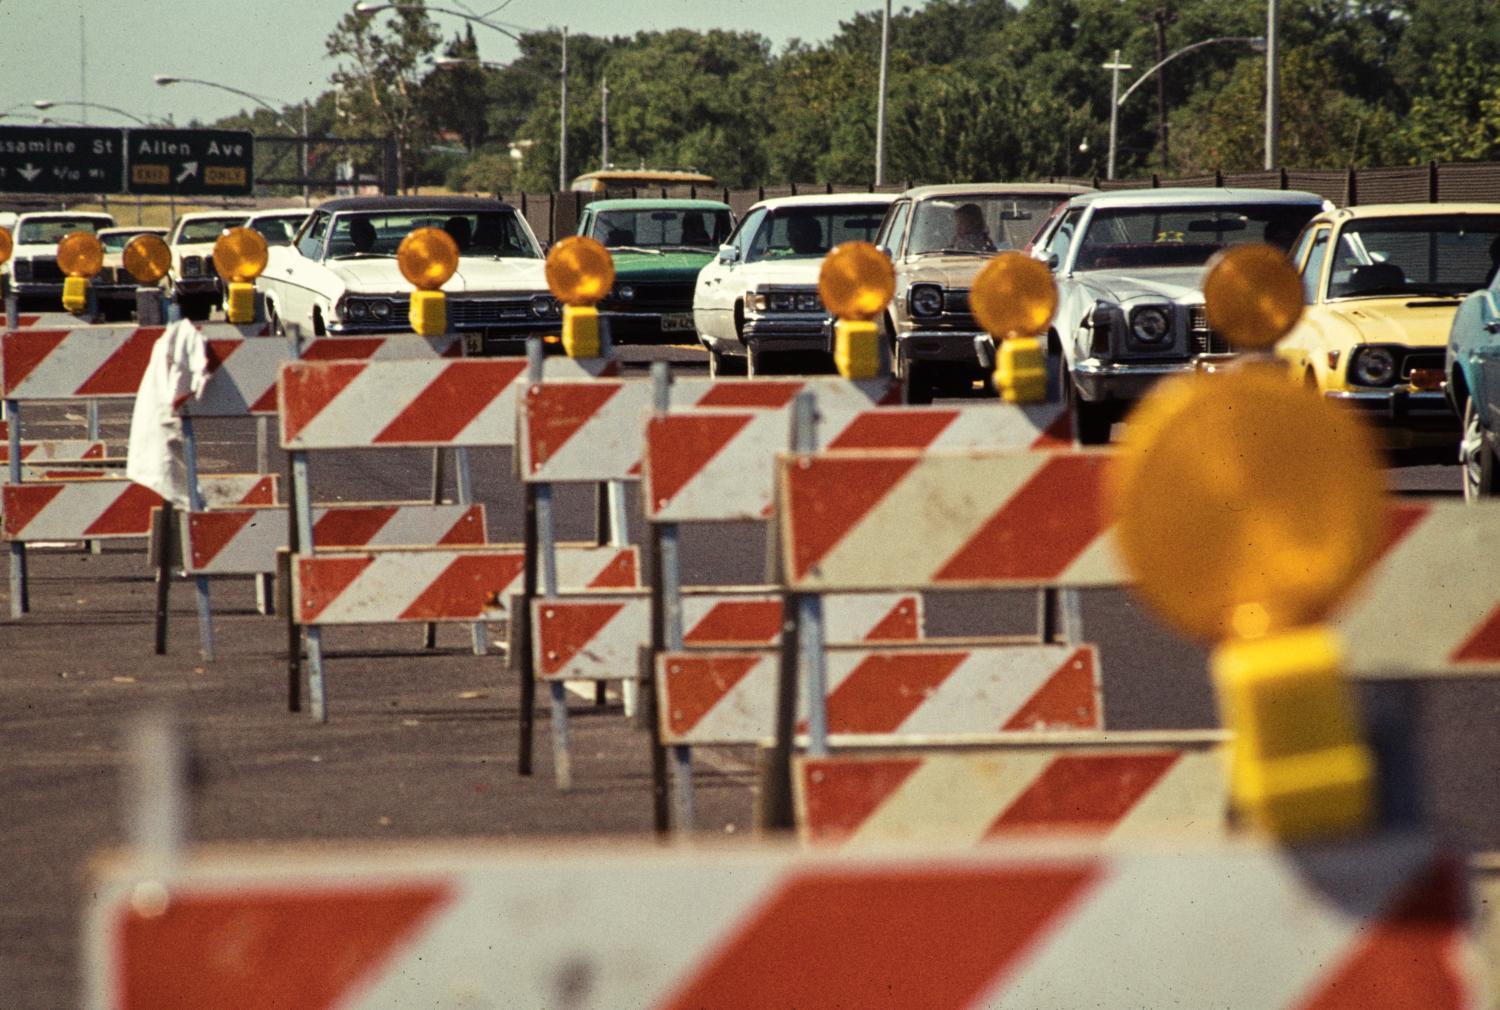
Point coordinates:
pixel 1469 183
pixel 1393 185
pixel 1328 185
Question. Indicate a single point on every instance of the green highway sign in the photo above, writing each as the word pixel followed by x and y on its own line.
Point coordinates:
pixel 190 162
pixel 61 159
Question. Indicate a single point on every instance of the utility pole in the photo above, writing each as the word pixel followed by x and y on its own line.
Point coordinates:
pixel 1159 16
pixel 604 123
pixel 306 191
pixel 562 119
pixel 1114 66
pixel 885 59
pixel 1273 88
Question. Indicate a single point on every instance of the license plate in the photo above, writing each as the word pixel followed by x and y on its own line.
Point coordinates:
pixel 677 322
pixel 474 343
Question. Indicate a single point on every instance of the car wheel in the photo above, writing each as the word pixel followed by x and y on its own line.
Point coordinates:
pixel 273 320
pixel 1476 458
pixel 1091 421
pixel 715 363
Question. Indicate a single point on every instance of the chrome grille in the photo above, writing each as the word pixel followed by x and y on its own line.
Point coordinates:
pixel 663 296
pixel 488 311
pixel 956 302
pixel 1201 339
pixel 1413 360
pixel 45 271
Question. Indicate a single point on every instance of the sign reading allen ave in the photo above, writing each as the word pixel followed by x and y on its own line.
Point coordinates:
pixel 57 159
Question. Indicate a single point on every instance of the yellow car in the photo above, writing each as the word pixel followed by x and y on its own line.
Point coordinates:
pixel 1382 284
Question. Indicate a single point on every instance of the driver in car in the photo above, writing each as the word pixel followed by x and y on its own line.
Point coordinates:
pixel 969 232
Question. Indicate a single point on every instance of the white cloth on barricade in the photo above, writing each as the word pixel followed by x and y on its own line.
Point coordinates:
pixel 178 371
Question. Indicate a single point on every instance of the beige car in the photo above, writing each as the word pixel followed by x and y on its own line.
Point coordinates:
pixel 939 238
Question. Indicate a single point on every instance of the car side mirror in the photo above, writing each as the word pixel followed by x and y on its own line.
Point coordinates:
pixel 1048 257
pixel 886 251
pixel 729 254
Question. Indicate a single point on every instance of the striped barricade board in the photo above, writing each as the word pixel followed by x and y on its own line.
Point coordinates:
pixel 592 431
pixel 58 451
pixel 1123 785
pixel 918 691
pixel 110 507
pixel 708 465
pixel 438 583
pixel 741 617
pixel 915 520
pixel 383 403
pixel 1229 925
pixel 1430 606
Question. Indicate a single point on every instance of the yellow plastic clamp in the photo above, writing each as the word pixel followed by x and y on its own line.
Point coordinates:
pixel 580 331
pixel 428 313
pixel 75 296
pixel 856 348
pixel 239 303
pixel 1021 370
pixel 1299 769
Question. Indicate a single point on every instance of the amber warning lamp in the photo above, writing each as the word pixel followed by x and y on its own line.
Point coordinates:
pixel 79 257
pixel 1014 298
pixel 428 257
pixel 580 272
pixel 147 259
pixel 239 257
pixel 1245 508
pixel 7 246
pixel 856 284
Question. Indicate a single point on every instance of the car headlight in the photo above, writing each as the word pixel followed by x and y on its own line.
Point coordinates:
pixel 357 310
pixel 1151 325
pixel 625 292
pixel 781 301
pixel 809 302
pixel 925 300
pixel 544 306
pixel 380 310
pixel 192 266
pixel 1373 366
pixel 23 270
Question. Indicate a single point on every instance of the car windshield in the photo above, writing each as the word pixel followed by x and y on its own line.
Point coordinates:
pixel 809 232
pixel 477 233
pixel 1444 254
pixel 1124 237
pixel 48 230
pixel 116 241
pixel 977 223
pixel 278 230
pixel 206 229
pixel 664 229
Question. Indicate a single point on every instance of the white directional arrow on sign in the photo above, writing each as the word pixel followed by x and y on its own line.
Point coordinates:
pixel 189 168
pixel 30 172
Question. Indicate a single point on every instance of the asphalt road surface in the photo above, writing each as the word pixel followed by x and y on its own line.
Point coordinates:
pixel 421 743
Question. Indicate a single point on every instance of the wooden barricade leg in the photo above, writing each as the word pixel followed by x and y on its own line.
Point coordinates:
pixel 163 573
pixel 463 481
pixel 19 604
pixel 429 631
pixel 521 656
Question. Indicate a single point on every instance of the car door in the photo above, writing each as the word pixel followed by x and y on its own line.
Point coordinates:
pixel 717 289
pixel 292 272
pixel 1300 348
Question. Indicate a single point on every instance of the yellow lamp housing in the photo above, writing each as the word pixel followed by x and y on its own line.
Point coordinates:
pixel 581 336
pixel 428 314
pixel 580 271
pixel 1021 370
pixel 1014 298
pixel 856 348
pixel 80 256
pixel 428 257
pixel 147 258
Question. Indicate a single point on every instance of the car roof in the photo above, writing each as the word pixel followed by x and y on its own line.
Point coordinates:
pixel 64 213
pixel 824 200
pixel 1370 210
pixel 1192 195
pixel 1060 189
pixel 282 212
pixel 208 215
pixel 666 204
pixel 439 203
pixel 139 229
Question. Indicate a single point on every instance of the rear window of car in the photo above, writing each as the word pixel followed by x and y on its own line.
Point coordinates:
pixel 278 230
pixel 664 228
pixel 205 229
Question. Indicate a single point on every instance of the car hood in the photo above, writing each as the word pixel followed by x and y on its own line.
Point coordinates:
pixel 949 271
pixel 1173 284
pixel 803 272
pixel 32 250
pixel 667 266
pixel 474 274
pixel 1413 322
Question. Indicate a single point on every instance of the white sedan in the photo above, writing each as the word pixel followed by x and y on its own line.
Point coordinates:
pixel 339 275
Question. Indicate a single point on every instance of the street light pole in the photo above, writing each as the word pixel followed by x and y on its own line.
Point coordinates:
pixel 1114 66
pixel 45 104
pixel 1273 88
pixel 603 123
pixel 885 59
pixel 562 119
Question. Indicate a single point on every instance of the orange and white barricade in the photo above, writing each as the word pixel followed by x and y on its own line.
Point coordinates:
pixel 1230 925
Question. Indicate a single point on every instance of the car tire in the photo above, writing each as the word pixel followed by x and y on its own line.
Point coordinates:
pixel 715 363
pixel 1476 458
pixel 273 321
pixel 1091 421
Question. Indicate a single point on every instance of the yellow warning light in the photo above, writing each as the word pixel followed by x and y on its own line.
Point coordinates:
pixel 147 258
pixel 1245 505
pixel 240 255
pixel 427 258
pixel 1014 296
pixel 856 281
pixel 79 254
pixel 1253 295
pixel 580 271
pixel 6 246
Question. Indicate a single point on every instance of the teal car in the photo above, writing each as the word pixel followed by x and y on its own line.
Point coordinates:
pixel 659 246
pixel 1473 387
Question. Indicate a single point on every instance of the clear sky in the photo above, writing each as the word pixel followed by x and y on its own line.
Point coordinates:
pixel 274 48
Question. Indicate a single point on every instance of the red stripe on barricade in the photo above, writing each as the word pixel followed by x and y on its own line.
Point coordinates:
pixel 900 625
pixel 1401 519
pixel 322 579
pixel 23 321
pixel 22 502
pixel 884 690
pixel 212 531
pixel 95 451
pixel 262 492
pixel 468 531
pixel 1410 956
pixel 699 683
pixel 351 527
pixel 128 514
pixel 450 402
pixel 742 622
pixel 909 429
pixel 231 951
pixel 123 370
pixel 1084 792
pixel 556 412
pixel 750 394
pixel 566 630
pixel 467 587
pixel 306 391
pixel 620 573
pixel 1066 699
pixel 342 349
pixel 831 496
pixel 1031 537
pixel 959 932
pixel 841 795
pixel 24 351
pixel 695 439
pixel 1483 646
pixel 220 350
pixel 1059 434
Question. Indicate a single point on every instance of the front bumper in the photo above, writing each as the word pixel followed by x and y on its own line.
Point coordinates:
pixel 950 347
pixel 1105 381
pixel 1415 411
pixel 193 286
pixel 789 332
pixel 627 326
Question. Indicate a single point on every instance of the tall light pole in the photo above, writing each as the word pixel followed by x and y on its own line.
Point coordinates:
pixel 603 123
pixel 45 104
pixel 562 119
pixel 1117 99
pixel 885 59
pixel 164 80
pixel 1273 88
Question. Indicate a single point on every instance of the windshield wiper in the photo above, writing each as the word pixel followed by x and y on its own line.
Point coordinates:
pixel 691 248
pixel 634 248
pixel 961 252
pixel 365 256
